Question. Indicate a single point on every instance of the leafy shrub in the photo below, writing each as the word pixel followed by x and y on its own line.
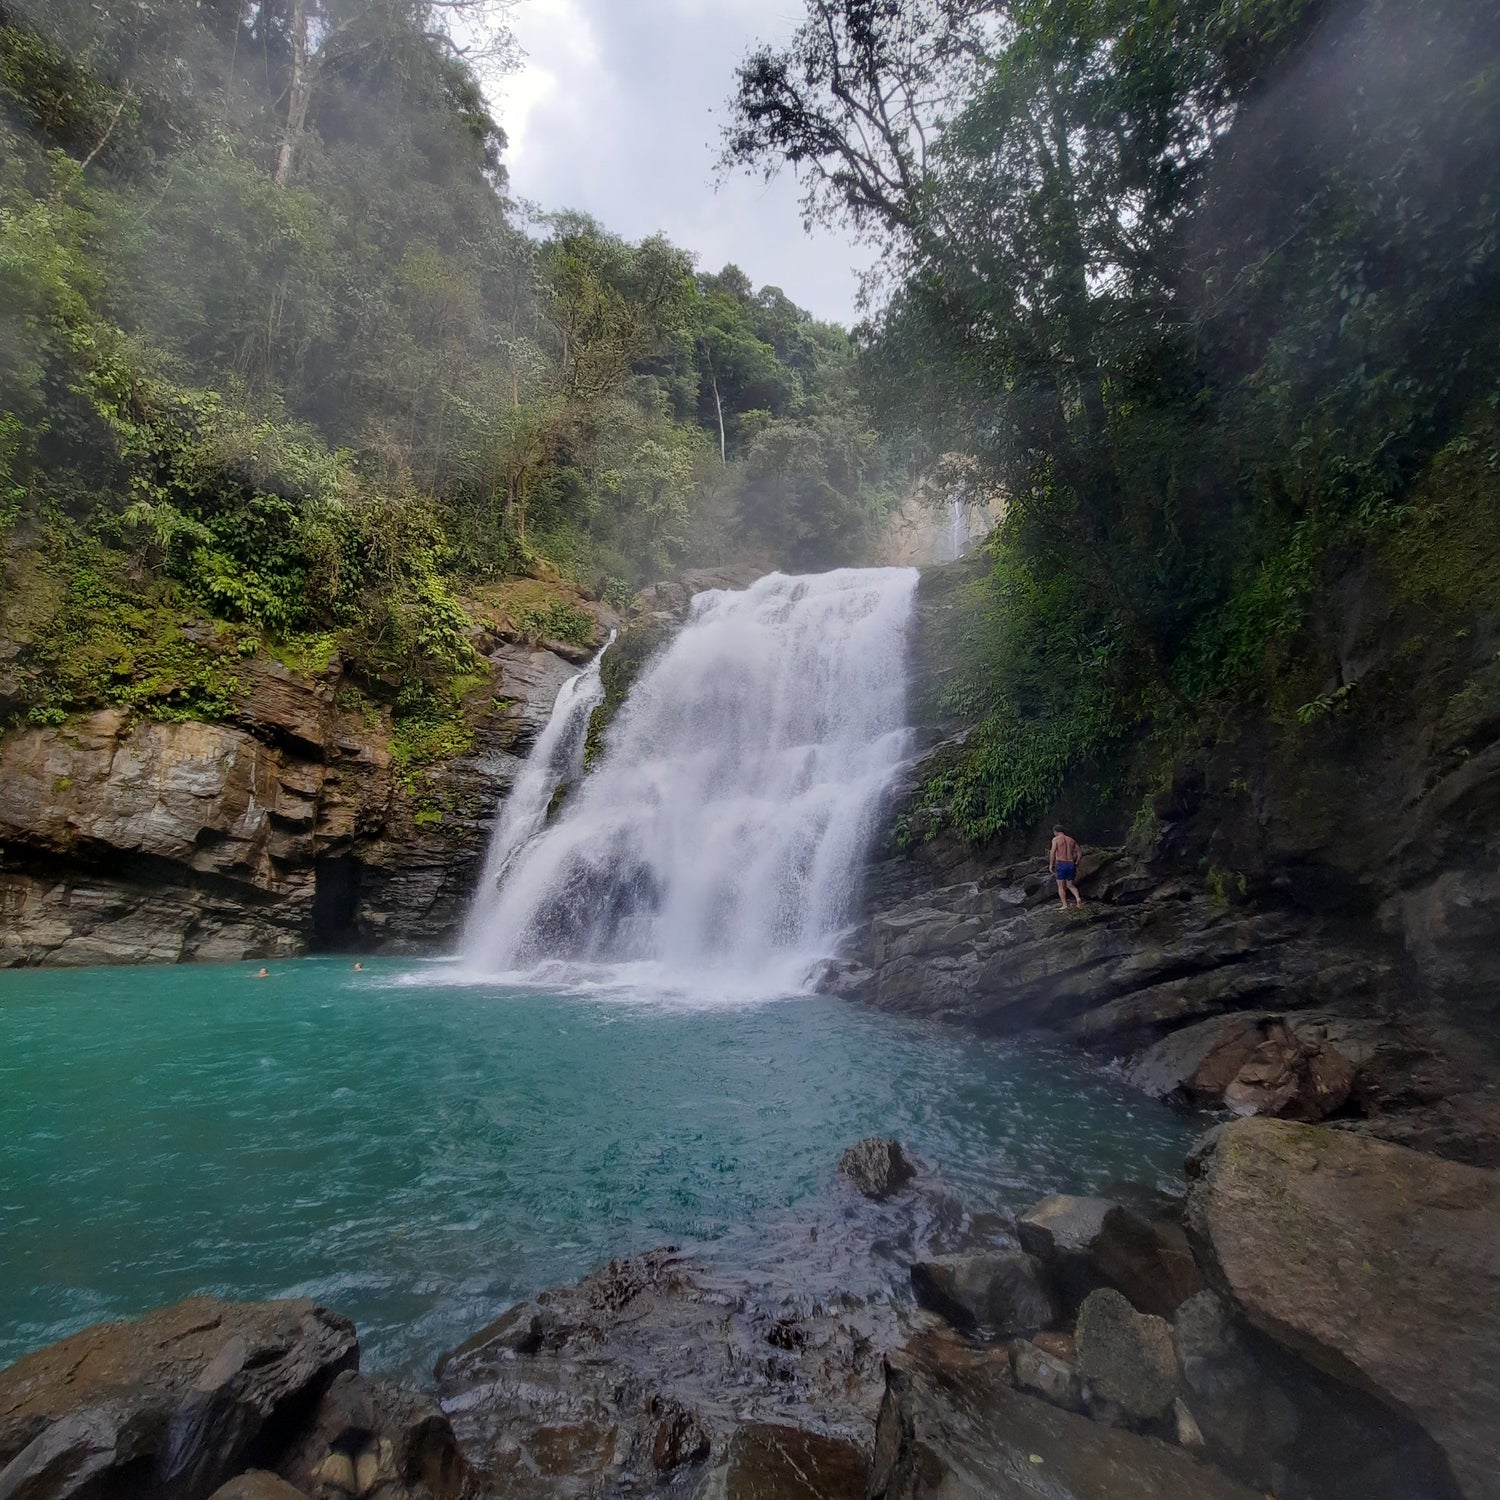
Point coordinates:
pixel 559 620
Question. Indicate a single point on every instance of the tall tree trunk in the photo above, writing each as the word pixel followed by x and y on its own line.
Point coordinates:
pixel 713 380
pixel 719 408
pixel 297 96
pixel 515 362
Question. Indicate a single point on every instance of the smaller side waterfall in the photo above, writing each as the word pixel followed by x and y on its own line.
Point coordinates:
pixel 961 529
pixel 555 758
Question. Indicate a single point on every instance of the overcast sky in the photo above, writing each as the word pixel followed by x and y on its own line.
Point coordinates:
pixel 617 111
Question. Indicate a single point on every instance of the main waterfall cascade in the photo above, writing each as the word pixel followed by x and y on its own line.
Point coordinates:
pixel 722 837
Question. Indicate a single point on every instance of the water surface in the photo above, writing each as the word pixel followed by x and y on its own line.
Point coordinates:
pixel 419 1153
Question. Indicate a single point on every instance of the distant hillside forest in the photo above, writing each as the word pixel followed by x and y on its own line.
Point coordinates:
pixel 1209 291
pixel 277 350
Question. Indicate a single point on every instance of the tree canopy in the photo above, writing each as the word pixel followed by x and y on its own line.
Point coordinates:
pixel 1201 286
pixel 276 345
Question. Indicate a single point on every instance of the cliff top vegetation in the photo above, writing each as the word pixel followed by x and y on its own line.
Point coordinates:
pixel 1205 289
pixel 282 365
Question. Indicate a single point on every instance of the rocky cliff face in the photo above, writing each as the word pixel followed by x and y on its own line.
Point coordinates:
pixel 290 826
pixel 126 840
pixel 1291 874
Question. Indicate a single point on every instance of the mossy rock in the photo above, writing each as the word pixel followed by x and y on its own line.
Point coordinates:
pixel 621 665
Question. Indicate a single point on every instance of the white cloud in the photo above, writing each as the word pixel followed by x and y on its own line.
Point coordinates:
pixel 618 111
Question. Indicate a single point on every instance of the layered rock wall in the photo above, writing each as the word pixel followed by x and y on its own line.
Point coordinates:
pixel 125 840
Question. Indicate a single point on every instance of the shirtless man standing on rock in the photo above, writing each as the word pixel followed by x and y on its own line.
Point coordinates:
pixel 1063 863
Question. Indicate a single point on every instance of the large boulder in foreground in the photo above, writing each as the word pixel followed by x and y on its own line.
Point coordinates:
pixel 381 1437
pixel 1378 1265
pixel 1271 1420
pixel 951 1427
pixel 170 1405
pixel 991 1292
pixel 1127 1356
pixel 660 1373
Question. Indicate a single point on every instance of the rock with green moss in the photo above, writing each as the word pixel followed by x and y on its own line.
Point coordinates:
pixel 622 664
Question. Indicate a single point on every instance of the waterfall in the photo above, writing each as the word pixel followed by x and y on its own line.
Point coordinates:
pixel 724 832
pixel 556 758
pixel 958 532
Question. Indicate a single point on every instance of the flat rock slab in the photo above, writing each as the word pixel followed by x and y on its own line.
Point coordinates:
pixel 258 1484
pixel 169 1405
pixel 1378 1265
pixel 951 1427
pixel 767 1461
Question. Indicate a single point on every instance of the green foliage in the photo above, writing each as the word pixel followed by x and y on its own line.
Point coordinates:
pixel 306 375
pixel 618 670
pixel 1042 671
pixel 428 727
pixel 1201 288
pixel 1224 887
pixel 556 621
pixel 90 635
pixel 12 492
pixel 811 485
pixel 1324 704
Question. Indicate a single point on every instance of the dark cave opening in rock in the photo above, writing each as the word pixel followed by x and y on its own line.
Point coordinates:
pixel 335 909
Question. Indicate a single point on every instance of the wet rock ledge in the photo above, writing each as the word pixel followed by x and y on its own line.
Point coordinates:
pixel 1323 1322
pixel 1258 1008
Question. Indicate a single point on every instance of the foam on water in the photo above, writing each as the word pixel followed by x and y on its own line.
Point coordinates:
pixel 717 850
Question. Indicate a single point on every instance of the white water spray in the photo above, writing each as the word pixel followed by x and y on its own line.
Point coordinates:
pixel 723 835
pixel 556 758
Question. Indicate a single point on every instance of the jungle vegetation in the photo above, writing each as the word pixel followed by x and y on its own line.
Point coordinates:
pixel 1207 289
pixel 281 363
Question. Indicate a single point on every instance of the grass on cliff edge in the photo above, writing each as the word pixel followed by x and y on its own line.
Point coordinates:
pixel 90 632
pixel 88 625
